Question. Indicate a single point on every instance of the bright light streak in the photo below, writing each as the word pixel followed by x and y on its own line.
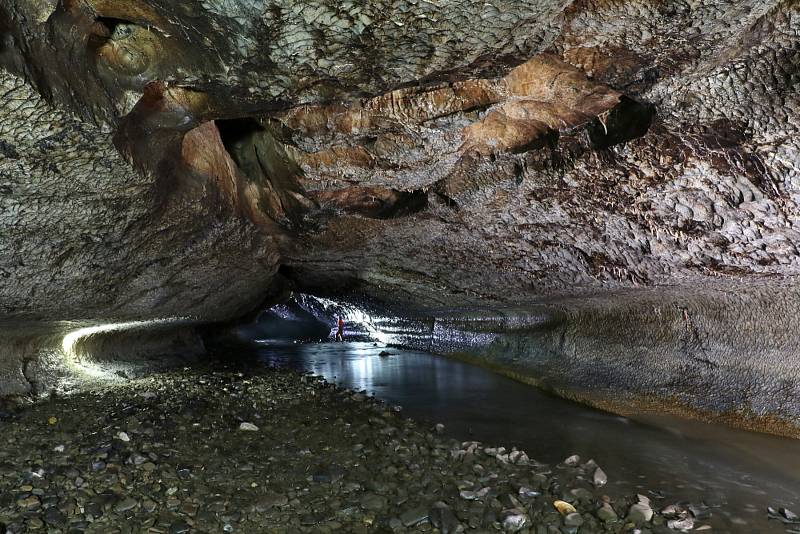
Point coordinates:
pixel 358 316
pixel 74 360
pixel 71 339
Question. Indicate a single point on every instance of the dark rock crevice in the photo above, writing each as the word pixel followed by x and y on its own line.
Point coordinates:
pixel 627 121
pixel 266 166
pixel 374 202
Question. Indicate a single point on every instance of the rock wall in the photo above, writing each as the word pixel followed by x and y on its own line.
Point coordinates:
pixel 31 361
pixel 42 358
pixel 86 236
pixel 726 353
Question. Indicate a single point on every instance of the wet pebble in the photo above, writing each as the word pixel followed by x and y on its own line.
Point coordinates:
pixel 573 520
pixel 640 513
pixel 685 523
pixel 443 518
pixel 599 478
pixel 371 501
pixel 414 516
pixel 172 454
pixel 606 513
pixel 126 504
pixel 515 520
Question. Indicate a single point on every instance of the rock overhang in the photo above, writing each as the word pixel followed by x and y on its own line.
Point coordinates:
pixel 457 154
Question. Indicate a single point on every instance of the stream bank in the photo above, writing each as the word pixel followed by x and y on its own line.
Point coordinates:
pixel 259 449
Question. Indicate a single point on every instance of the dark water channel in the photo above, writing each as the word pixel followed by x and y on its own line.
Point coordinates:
pixel 737 474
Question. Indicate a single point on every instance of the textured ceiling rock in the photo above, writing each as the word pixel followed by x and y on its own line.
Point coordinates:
pixel 705 187
pixel 651 142
pixel 95 55
pixel 85 236
pixel 414 138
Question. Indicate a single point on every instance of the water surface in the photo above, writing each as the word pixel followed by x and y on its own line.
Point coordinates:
pixel 738 474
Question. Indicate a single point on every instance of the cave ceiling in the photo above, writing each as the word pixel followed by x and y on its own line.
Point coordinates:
pixel 163 158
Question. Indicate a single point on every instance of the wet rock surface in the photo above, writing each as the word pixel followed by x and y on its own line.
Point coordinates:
pixel 168 454
pixel 702 352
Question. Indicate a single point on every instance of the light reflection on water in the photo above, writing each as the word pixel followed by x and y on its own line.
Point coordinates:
pixel 739 474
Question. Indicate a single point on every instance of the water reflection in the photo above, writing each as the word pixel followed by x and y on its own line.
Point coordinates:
pixel 739 474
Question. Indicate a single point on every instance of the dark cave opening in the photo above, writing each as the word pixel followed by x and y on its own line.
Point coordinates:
pixel 629 120
pixel 106 28
pixel 255 148
pixel 6 37
pixel 236 131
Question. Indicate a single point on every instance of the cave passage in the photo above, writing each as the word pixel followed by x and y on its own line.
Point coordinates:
pixel 559 238
pixel 730 475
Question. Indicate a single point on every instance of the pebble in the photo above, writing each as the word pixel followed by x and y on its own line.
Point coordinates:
pixel 473 495
pixel 248 427
pixel 515 520
pixel 271 501
pixel 599 478
pixel 573 520
pixel 686 523
pixel 414 516
pixel 149 506
pixel 29 503
pixel 443 518
pixel 672 510
pixel 126 504
pixel 54 517
pixel 564 508
pixel 640 513
pixel 607 513
pixel 371 501
pixel 582 494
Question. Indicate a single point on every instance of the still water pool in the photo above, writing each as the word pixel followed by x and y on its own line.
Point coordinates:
pixel 736 474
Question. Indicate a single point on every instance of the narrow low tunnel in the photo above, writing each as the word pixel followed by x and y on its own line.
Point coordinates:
pixel 504 266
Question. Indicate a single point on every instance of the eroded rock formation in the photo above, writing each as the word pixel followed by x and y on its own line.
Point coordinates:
pixel 166 159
